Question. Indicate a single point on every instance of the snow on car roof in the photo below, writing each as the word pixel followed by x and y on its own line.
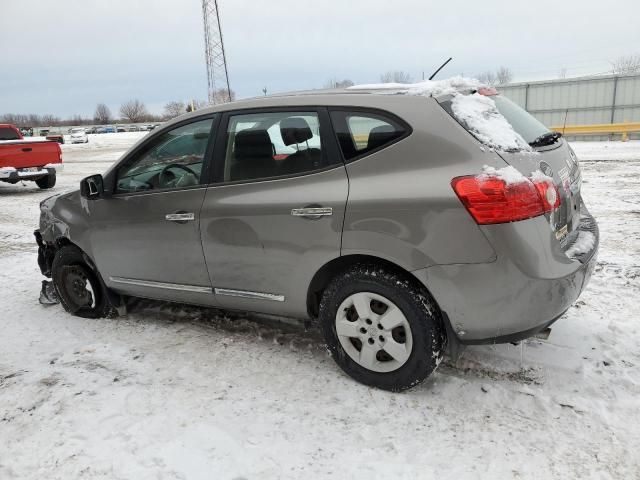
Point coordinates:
pixel 477 112
pixel 430 88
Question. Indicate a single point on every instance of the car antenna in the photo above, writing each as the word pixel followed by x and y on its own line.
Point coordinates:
pixel 565 121
pixel 441 67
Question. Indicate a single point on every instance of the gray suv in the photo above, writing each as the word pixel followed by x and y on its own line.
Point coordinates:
pixel 382 216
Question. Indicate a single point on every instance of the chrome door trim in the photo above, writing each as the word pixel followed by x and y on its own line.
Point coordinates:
pixel 166 286
pixel 180 217
pixel 246 294
pixel 312 212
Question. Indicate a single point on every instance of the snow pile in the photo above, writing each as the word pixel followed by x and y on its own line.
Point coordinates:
pixel 583 244
pixel 613 151
pixel 538 176
pixel 508 175
pixel 478 113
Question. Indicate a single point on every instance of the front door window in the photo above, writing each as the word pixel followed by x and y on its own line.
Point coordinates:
pixel 174 160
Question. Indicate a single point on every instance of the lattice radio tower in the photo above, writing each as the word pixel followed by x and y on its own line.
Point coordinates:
pixel 217 76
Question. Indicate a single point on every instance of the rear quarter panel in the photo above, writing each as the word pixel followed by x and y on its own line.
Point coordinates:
pixel 401 206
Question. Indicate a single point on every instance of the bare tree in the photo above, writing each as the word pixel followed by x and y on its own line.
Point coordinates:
pixel 563 73
pixel 503 76
pixel 488 78
pixel 396 76
pixel 102 115
pixel 78 120
pixel 174 109
pixel 134 111
pixel 50 120
pixel 335 83
pixel 626 64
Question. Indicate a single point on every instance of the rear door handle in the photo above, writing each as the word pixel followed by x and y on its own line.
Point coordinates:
pixel 312 212
pixel 180 217
pixel 27 149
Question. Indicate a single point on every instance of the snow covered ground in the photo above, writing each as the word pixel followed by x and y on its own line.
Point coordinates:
pixel 189 393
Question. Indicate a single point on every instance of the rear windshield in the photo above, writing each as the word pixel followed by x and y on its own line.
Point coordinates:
pixel 8 134
pixel 522 122
pixel 496 121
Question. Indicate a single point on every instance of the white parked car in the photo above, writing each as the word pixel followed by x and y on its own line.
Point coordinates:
pixel 79 135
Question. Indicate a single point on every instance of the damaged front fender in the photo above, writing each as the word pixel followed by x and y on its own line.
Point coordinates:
pixel 46 252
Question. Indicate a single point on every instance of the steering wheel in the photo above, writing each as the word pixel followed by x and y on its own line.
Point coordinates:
pixel 164 181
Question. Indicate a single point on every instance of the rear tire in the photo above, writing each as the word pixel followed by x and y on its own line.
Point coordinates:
pixel 381 328
pixel 47 182
pixel 79 287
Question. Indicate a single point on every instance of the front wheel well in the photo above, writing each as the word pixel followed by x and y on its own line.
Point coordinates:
pixel 49 250
pixel 328 271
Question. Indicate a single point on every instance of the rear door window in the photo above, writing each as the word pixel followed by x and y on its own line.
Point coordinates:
pixel 361 133
pixel 273 144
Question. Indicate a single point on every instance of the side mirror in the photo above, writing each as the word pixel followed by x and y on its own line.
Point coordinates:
pixel 92 187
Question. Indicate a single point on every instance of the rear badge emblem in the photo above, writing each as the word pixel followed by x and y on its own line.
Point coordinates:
pixel 546 169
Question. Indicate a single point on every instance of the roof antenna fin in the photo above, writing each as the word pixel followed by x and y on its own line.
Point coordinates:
pixel 441 67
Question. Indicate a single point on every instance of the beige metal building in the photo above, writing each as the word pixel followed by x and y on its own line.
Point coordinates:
pixel 602 99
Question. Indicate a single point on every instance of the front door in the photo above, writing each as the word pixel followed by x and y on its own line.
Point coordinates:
pixel 145 237
pixel 275 215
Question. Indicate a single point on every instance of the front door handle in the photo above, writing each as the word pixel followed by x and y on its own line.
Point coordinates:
pixel 312 212
pixel 180 217
pixel 27 149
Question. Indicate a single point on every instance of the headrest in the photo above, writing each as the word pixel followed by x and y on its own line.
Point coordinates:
pixel 295 130
pixel 381 135
pixel 252 143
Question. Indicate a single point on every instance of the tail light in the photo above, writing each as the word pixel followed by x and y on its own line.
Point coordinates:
pixel 489 199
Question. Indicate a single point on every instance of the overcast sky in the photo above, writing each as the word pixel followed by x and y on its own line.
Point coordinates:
pixel 64 56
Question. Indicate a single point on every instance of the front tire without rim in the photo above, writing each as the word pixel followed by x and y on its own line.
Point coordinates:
pixel 78 286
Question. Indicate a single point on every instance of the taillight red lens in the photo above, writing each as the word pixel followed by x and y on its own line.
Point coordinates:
pixel 548 194
pixel 489 199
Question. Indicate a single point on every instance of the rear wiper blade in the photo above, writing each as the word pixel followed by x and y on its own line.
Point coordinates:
pixel 548 138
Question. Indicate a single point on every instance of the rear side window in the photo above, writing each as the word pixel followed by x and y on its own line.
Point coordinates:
pixel 360 133
pixel 8 134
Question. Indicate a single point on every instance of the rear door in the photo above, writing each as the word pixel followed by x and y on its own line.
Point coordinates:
pixel 274 216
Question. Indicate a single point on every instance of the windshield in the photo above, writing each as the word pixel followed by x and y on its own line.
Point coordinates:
pixel 522 122
pixel 77 130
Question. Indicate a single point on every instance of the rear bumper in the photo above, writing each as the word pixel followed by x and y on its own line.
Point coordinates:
pixel 11 174
pixel 530 285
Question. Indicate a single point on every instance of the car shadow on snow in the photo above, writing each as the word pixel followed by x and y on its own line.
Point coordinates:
pixel 297 334
pixel 476 363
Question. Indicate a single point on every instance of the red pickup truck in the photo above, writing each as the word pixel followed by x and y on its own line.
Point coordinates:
pixel 21 159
